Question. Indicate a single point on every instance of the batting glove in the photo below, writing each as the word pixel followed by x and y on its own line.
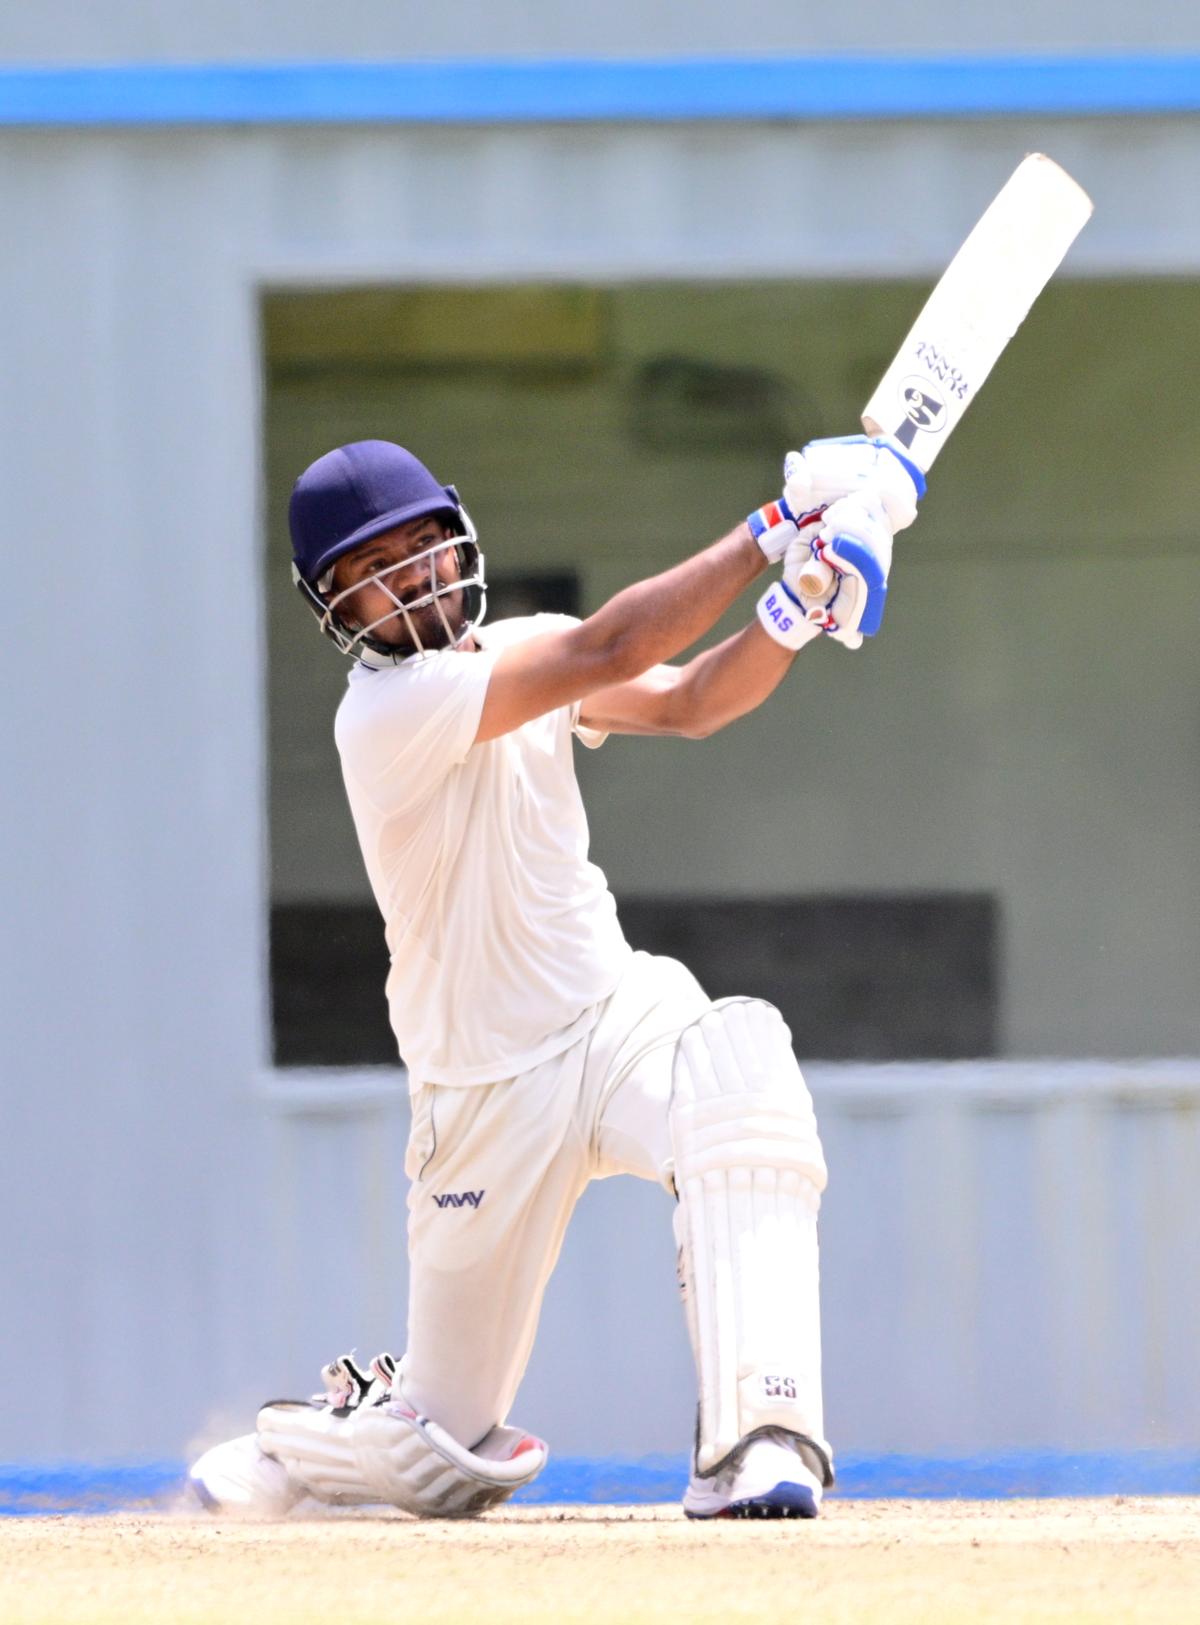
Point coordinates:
pixel 855 540
pixel 877 468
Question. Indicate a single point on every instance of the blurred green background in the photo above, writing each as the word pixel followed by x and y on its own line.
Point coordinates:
pixel 991 746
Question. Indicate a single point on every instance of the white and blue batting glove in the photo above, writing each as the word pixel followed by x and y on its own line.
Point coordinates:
pixel 783 616
pixel 876 467
pixel 776 525
pixel 855 540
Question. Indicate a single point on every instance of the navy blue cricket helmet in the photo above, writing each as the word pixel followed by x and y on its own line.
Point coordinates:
pixel 359 491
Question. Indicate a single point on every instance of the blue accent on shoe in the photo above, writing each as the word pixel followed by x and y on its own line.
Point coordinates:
pixel 203 1494
pixel 784 1501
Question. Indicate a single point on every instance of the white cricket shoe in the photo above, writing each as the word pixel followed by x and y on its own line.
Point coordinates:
pixel 763 1477
pixel 237 1477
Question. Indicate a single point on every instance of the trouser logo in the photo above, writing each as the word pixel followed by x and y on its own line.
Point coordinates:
pixel 780 1387
pixel 461 1199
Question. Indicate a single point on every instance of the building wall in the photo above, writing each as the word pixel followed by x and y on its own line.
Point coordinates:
pixel 294 30
pixel 156 1265
pixel 1001 1252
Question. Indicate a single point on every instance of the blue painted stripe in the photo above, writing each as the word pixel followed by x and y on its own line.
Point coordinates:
pixel 36 1490
pixel 32 1490
pixel 478 92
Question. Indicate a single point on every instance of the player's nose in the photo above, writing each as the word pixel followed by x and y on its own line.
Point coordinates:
pixel 404 577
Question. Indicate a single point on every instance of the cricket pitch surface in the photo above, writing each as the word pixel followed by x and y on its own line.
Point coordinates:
pixel 1118 1558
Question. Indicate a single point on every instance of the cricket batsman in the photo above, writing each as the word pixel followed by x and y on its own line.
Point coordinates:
pixel 543 1052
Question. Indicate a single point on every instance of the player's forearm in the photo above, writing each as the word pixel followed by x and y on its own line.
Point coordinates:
pixel 655 620
pixel 727 682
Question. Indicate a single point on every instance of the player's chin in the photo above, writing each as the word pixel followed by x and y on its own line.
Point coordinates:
pixel 423 631
pixel 441 627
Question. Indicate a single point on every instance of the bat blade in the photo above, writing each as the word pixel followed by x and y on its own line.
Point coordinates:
pixel 983 297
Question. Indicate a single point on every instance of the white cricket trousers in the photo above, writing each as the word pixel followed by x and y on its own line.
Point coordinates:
pixel 496 1170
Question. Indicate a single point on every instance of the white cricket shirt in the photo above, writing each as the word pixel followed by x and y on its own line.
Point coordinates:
pixel 503 936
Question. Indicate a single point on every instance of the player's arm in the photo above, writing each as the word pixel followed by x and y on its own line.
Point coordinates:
pixel 654 620
pixel 640 627
pixel 694 700
pixel 853 538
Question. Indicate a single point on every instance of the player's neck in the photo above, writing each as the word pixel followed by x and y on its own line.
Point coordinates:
pixel 378 661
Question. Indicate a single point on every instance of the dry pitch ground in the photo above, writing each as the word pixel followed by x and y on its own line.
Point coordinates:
pixel 889 1561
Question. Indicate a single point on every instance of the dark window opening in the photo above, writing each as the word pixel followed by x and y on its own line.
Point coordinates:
pixel 859 978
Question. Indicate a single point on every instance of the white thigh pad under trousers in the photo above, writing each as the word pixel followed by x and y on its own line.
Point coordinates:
pixel 749 1172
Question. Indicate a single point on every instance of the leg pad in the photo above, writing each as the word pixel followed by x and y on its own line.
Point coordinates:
pixel 388 1453
pixel 749 1172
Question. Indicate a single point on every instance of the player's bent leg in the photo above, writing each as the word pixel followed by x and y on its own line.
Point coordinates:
pixel 360 1443
pixel 749 1172
pixel 478 1268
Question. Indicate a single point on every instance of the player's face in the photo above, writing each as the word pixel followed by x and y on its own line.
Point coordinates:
pixel 399 565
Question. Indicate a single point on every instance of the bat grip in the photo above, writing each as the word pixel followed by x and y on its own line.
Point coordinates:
pixel 816 579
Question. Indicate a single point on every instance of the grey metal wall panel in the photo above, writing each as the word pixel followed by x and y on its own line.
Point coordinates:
pixel 69 31
pixel 142 1178
pixel 1000 1259
pixel 1001 1252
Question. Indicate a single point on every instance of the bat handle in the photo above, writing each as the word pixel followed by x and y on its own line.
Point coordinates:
pixel 816 579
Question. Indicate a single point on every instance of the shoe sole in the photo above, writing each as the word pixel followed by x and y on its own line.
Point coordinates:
pixel 784 1501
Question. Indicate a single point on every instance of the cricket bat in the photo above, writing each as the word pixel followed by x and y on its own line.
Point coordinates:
pixel 984 295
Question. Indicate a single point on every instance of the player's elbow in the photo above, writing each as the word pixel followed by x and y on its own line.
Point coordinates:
pixel 621 656
pixel 701 727
pixel 684 717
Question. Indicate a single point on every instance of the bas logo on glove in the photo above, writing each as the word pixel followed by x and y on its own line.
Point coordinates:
pixel 782 616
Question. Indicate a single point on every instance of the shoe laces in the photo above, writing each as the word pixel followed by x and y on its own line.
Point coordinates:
pixel 347 1385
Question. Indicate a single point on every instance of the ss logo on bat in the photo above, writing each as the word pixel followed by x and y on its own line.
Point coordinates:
pixel 923 404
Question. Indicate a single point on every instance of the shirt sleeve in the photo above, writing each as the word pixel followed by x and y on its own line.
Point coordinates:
pixel 593 738
pixel 401 730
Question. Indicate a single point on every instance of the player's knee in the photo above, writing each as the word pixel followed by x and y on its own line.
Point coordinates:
pixel 739 1099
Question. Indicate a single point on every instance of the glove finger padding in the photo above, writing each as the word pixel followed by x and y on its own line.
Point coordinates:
pixel 877 469
pixel 856 541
